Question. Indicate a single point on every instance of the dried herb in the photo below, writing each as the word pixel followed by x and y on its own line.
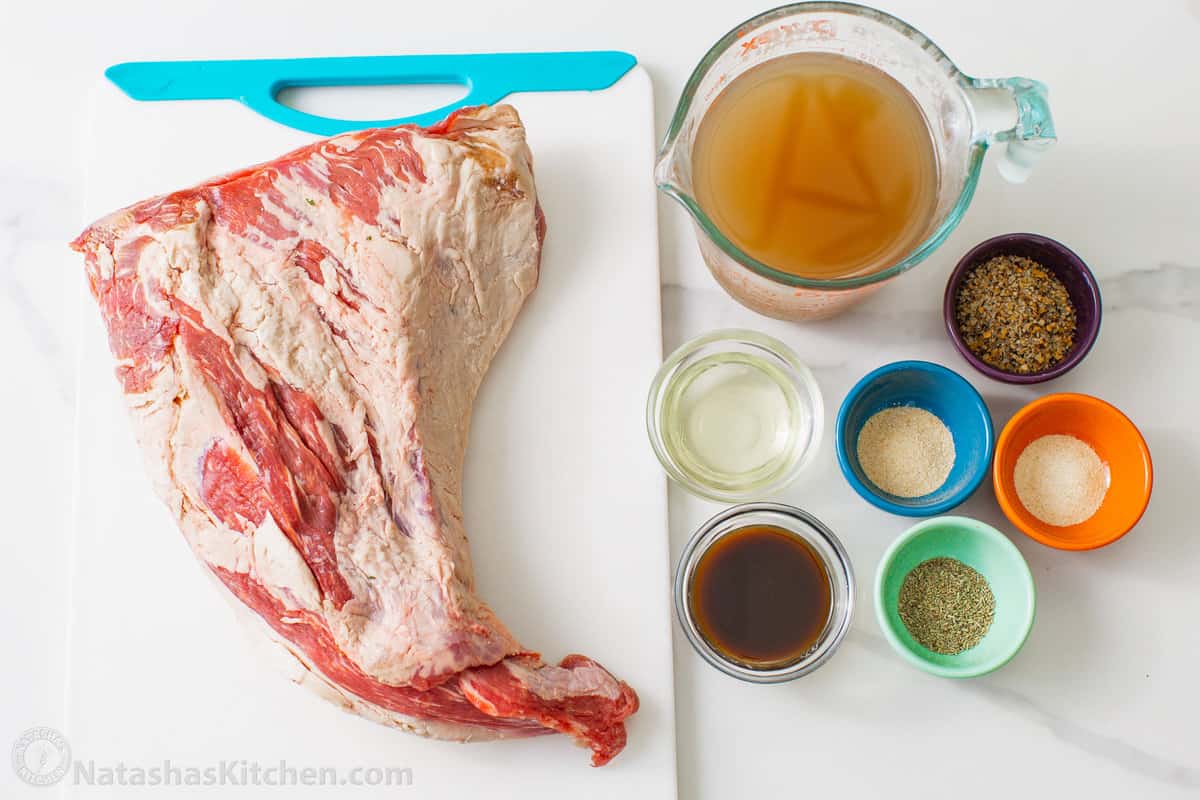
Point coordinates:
pixel 946 606
pixel 1015 315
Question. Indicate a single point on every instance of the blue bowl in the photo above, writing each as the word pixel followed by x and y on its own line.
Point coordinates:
pixel 940 391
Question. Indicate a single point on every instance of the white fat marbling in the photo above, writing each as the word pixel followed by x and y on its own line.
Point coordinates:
pixel 1102 702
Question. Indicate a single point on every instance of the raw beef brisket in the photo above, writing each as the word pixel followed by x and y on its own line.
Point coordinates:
pixel 300 344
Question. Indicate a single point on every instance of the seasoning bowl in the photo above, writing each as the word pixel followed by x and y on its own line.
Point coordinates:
pixel 1068 267
pixel 823 543
pixel 985 550
pixel 685 438
pixel 1118 443
pixel 938 390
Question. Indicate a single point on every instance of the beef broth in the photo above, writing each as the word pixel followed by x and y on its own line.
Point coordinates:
pixel 817 165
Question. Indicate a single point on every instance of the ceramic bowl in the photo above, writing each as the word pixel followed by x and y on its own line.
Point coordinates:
pixel 1115 439
pixel 946 395
pixel 988 552
pixel 1066 265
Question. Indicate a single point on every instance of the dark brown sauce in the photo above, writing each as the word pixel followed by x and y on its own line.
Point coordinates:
pixel 761 596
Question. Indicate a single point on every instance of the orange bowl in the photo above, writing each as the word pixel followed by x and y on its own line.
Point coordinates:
pixel 1115 439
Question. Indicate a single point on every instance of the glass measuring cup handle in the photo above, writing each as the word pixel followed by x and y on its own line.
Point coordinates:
pixel 1029 137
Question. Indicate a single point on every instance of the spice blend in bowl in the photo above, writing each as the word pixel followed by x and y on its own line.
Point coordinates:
pixel 1059 481
pixel 914 438
pixel 954 597
pixel 1022 308
pixel 1015 315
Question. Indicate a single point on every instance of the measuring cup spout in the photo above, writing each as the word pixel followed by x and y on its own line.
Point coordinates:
pixel 671 172
pixel 1027 136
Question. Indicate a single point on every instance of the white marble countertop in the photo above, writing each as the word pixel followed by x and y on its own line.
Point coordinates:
pixel 1102 701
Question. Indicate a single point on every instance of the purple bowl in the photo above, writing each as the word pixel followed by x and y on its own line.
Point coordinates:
pixel 1070 269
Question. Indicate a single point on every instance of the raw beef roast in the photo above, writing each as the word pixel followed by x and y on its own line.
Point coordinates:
pixel 300 344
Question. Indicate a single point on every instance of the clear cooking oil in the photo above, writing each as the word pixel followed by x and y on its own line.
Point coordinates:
pixel 733 420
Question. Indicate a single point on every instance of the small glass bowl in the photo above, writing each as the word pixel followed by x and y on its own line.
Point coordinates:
pixel 800 524
pixel 796 381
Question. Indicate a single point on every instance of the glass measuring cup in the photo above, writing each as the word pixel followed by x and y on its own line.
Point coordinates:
pixel 965 116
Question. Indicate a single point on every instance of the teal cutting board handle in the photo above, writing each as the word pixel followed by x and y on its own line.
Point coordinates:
pixel 256 83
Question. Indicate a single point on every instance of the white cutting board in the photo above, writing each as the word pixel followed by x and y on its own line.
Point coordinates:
pixel 565 506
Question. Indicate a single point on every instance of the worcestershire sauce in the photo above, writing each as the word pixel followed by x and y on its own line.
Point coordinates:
pixel 761 596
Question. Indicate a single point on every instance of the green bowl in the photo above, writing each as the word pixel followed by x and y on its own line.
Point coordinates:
pixel 988 552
